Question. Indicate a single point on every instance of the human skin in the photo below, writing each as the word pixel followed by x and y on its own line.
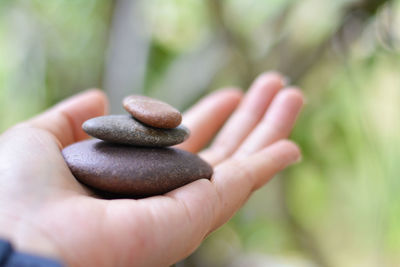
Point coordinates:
pixel 46 211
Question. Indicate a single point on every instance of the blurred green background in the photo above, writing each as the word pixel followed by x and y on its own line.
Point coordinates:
pixel 341 205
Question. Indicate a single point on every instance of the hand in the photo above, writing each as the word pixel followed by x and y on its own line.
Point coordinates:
pixel 44 210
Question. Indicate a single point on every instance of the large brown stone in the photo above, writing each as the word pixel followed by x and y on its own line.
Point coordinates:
pixel 123 129
pixel 152 112
pixel 133 171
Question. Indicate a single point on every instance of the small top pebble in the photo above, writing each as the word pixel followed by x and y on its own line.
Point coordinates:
pixel 152 112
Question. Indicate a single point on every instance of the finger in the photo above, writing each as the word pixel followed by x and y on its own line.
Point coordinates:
pixel 186 215
pixel 244 176
pixel 277 123
pixel 207 117
pixel 64 120
pixel 246 117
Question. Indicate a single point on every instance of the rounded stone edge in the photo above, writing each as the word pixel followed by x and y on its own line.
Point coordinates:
pixel 184 135
pixel 160 124
pixel 103 193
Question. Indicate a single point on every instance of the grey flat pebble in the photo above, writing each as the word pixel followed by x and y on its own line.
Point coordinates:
pixel 152 112
pixel 133 171
pixel 123 129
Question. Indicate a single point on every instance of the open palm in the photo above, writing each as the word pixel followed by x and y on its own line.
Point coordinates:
pixel 44 210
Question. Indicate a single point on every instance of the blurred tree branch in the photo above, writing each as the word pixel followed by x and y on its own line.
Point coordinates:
pixel 354 18
pixel 127 54
pixel 233 42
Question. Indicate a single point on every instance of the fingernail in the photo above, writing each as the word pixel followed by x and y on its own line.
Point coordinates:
pixel 286 81
pixel 305 100
pixel 295 160
pixel 298 160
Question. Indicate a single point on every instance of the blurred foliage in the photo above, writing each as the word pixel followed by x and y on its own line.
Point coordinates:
pixel 340 206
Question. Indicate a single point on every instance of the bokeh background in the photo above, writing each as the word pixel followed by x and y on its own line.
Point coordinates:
pixel 341 205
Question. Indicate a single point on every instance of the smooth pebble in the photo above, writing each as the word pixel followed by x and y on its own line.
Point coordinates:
pixel 123 129
pixel 152 112
pixel 133 171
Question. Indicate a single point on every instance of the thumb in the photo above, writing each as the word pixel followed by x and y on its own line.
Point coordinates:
pixel 64 120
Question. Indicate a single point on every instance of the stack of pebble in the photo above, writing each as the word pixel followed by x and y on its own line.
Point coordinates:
pixel 133 157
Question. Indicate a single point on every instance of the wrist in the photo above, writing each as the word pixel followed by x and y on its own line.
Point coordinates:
pixel 27 238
